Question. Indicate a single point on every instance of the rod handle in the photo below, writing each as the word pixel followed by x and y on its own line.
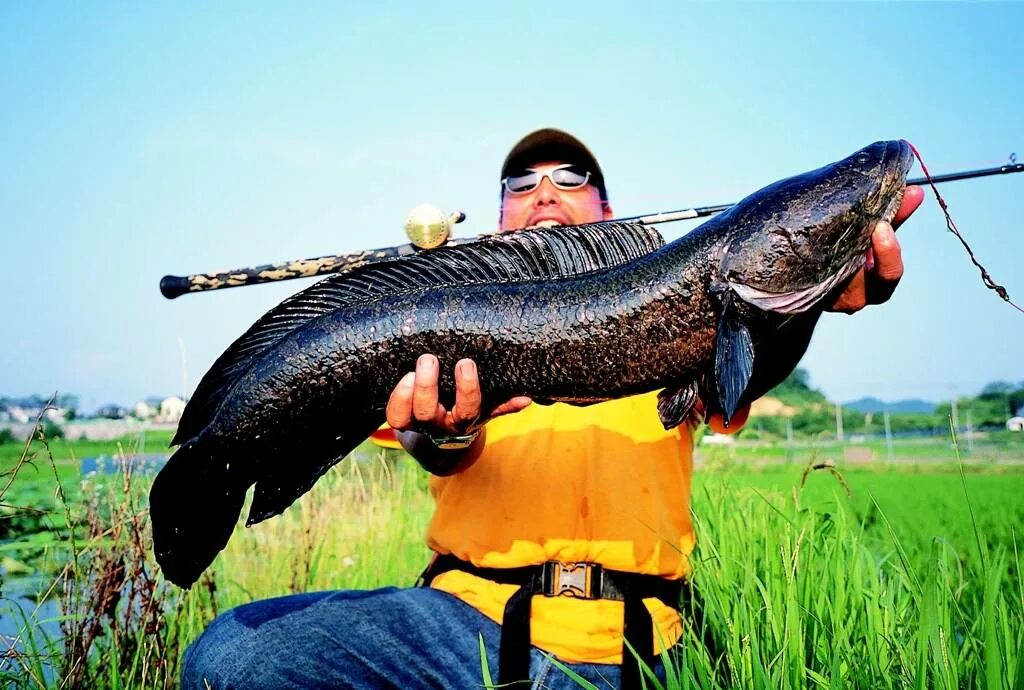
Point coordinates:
pixel 173 286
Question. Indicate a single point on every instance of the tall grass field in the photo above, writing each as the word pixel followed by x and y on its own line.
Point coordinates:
pixel 882 575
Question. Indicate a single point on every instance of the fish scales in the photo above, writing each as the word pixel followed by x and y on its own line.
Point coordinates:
pixel 567 314
pixel 558 340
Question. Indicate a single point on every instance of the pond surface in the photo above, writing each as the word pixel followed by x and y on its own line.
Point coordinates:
pixel 141 463
pixel 29 628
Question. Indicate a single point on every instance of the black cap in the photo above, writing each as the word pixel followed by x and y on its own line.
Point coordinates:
pixel 554 145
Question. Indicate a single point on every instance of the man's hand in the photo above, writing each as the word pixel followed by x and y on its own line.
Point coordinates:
pixel 414 403
pixel 883 269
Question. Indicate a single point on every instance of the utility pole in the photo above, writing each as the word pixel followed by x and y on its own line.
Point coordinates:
pixel 970 433
pixel 789 440
pixel 956 418
pixel 888 436
pixel 839 423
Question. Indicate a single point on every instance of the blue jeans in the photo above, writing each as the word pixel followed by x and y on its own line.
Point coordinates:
pixel 383 638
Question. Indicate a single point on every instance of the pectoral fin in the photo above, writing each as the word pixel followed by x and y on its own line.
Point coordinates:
pixel 674 405
pixel 734 359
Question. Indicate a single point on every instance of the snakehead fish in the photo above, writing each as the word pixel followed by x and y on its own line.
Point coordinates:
pixel 575 314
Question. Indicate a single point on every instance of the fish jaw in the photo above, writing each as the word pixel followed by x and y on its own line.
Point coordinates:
pixel 799 239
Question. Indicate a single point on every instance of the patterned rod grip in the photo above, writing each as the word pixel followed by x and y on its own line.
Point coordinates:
pixel 175 286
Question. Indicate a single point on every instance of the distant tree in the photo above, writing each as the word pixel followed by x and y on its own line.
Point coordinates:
pixel 7 436
pixel 1000 393
pixel 980 412
pixel 1016 399
pixel 799 378
pixel 996 389
pixel 68 401
pixel 52 431
pixel 796 389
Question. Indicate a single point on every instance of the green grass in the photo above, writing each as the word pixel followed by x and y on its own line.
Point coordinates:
pixel 893 587
pixel 67 453
pixel 361 526
pixel 989 447
pixel 921 504
pixel 912 580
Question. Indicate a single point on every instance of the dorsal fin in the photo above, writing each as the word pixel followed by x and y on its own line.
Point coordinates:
pixel 509 257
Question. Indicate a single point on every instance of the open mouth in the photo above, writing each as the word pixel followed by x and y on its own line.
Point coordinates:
pixel 548 219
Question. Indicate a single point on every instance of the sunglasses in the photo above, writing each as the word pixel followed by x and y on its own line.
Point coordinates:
pixel 564 177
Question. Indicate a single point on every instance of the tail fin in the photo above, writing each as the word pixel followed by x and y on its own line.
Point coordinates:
pixel 194 505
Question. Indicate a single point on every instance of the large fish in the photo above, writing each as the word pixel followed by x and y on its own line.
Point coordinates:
pixel 576 314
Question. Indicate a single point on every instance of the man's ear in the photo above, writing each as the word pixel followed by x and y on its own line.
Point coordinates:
pixel 606 211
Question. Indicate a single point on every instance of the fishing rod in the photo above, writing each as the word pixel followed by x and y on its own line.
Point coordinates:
pixel 428 228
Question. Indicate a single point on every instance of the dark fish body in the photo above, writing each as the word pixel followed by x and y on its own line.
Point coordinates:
pixel 567 314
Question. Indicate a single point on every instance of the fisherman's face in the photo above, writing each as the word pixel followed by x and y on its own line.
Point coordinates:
pixel 546 204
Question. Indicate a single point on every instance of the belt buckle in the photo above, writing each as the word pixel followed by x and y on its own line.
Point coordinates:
pixel 574 580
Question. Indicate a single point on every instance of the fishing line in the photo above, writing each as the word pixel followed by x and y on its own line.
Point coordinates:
pixel 985 277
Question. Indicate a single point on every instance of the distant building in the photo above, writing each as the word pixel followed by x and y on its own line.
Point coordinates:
pixel 112 412
pixel 1015 424
pixel 19 414
pixel 57 415
pixel 171 409
pixel 143 411
pixel 713 439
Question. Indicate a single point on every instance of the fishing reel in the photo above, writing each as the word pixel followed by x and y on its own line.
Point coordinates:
pixel 428 227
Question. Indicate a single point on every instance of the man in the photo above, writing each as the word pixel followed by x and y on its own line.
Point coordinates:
pixel 591 503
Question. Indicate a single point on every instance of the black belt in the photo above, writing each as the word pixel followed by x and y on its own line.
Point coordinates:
pixel 581 581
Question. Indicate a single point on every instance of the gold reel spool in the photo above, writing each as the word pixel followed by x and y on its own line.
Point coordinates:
pixel 428 227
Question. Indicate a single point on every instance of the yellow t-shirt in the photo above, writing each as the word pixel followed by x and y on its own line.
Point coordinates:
pixel 604 484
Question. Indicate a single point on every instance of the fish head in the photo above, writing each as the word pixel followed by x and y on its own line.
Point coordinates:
pixel 789 244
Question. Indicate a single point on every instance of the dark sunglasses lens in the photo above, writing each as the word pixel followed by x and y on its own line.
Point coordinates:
pixel 568 177
pixel 522 183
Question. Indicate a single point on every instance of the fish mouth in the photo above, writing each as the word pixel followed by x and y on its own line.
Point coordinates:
pixel 883 201
pixel 897 159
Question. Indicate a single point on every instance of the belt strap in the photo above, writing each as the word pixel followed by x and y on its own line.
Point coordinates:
pixel 579 580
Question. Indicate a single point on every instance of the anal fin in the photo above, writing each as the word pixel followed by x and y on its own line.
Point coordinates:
pixel 675 404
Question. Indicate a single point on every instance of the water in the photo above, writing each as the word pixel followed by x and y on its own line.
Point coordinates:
pixel 27 626
pixel 141 463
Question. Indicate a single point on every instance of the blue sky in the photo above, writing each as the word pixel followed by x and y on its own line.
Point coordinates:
pixel 144 139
